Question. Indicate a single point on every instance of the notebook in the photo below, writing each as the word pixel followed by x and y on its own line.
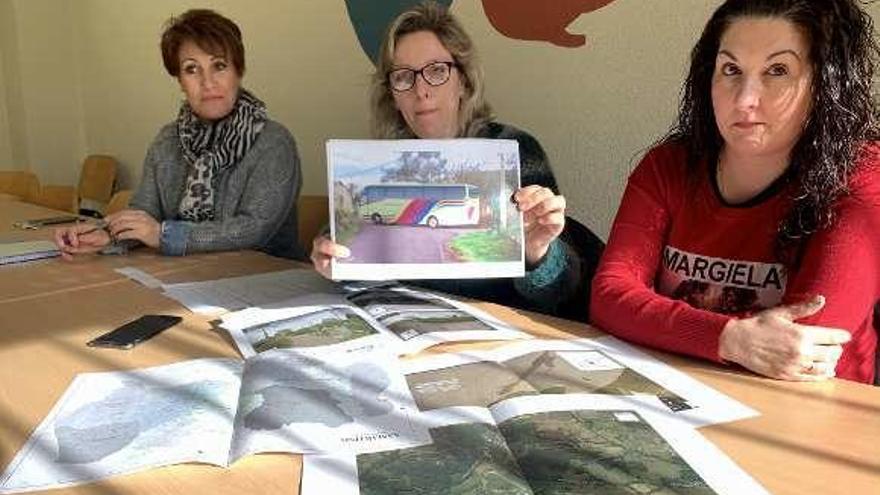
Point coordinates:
pixel 19 252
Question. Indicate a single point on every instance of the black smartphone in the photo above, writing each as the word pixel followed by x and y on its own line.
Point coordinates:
pixel 135 332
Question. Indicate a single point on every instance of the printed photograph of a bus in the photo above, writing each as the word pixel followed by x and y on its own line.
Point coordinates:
pixel 433 205
pixel 410 208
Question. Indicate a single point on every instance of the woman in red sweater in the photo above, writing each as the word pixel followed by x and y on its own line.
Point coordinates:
pixel 751 233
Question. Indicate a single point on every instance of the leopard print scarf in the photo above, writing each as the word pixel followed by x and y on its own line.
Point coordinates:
pixel 210 147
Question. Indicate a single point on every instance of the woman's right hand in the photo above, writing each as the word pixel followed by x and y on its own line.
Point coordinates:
pixel 81 238
pixel 323 251
pixel 770 343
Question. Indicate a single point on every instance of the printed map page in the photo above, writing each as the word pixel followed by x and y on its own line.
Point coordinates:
pixel 122 422
pixel 322 400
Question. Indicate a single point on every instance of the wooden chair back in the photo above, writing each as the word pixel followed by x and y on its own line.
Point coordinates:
pixel 97 177
pixel 61 198
pixel 19 183
pixel 119 201
pixel 312 215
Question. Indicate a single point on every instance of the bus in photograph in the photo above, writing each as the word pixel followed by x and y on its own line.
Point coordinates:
pixel 434 205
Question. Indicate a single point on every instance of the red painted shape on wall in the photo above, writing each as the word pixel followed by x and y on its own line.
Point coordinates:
pixel 540 20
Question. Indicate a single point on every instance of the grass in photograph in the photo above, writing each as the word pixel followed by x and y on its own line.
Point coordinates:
pixel 346 219
pixel 345 233
pixel 329 331
pixel 409 325
pixel 485 246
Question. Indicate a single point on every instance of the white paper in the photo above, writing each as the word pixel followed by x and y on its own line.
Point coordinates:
pixel 140 277
pixel 483 377
pixel 422 319
pixel 319 401
pixel 709 406
pixel 19 252
pixel 233 294
pixel 329 474
pixel 122 422
pixel 425 209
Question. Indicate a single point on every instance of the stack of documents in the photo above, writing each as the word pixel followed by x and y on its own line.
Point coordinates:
pixel 218 410
pixel 18 252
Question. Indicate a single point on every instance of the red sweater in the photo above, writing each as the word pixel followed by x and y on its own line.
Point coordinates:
pixel 679 262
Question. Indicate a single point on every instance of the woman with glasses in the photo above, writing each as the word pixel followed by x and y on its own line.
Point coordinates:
pixel 222 176
pixel 751 234
pixel 429 85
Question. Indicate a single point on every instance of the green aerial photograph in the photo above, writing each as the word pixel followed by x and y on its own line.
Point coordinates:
pixel 324 327
pixel 550 373
pixel 412 323
pixel 545 372
pixel 607 452
pixel 465 459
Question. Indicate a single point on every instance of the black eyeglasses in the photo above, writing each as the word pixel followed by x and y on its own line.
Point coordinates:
pixel 435 74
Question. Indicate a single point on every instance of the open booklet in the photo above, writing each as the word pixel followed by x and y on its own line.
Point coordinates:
pixel 407 320
pixel 217 411
pixel 602 365
pixel 540 444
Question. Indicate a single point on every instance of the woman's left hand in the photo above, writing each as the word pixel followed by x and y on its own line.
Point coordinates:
pixel 135 224
pixel 544 218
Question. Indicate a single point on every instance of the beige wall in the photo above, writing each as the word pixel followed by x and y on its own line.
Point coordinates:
pixel 302 60
pixel 5 146
pixel 12 135
pixel 49 86
pixel 90 80
pixel 597 107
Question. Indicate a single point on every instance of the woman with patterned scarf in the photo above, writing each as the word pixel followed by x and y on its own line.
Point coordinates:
pixel 222 176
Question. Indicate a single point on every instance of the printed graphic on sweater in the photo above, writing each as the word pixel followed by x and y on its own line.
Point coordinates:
pixel 719 284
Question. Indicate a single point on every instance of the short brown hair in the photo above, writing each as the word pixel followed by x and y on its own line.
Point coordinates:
pixel 212 32
pixel 474 111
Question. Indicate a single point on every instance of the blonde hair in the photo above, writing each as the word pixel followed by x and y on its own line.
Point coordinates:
pixel 473 112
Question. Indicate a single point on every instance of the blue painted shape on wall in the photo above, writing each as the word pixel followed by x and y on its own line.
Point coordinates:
pixel 370 19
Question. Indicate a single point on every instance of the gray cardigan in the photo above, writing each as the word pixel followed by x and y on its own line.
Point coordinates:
pixel 255 200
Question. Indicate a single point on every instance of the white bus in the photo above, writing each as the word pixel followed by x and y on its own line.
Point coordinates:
pixel 421 204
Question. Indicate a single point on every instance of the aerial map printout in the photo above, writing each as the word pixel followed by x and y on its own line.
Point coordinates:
pixel 216 411
pixel 405 320
pixel 603 365
pixel 323 320
pixel 541 445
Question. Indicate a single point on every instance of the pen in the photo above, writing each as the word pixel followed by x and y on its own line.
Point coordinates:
pixel 99 225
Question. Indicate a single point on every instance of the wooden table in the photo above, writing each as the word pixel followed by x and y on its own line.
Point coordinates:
pixel 810 438
pixel 13 210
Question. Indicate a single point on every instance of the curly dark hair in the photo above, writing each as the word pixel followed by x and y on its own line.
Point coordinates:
pixel 843 115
